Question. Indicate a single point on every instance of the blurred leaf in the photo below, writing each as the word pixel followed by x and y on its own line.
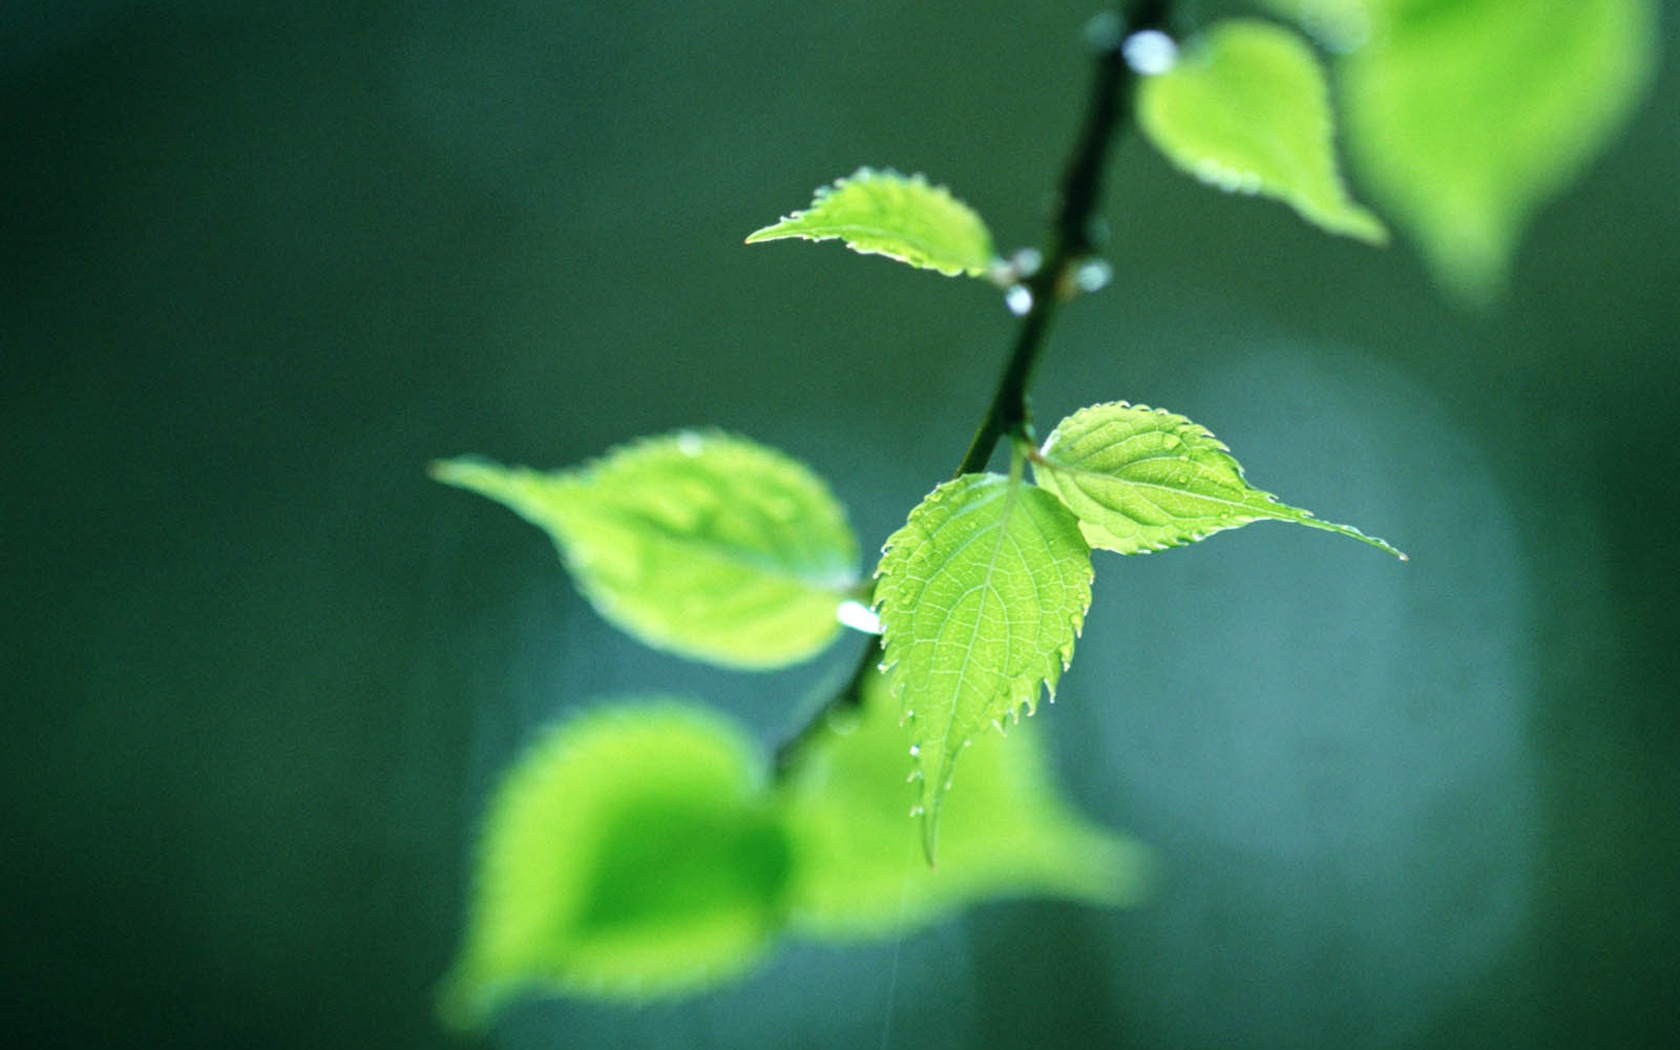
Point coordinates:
pixel 1008 832
pixel 1247 109
pixel 981 594
pixel 1340 25
pixel 633 852
pixel 709 545
pixel 885 213
pixel 1465 117
pixel 1142 479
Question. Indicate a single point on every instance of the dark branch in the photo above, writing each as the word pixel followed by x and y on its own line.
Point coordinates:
pixel 1072 237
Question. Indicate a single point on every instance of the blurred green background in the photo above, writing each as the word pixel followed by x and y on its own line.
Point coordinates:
pixel 260 263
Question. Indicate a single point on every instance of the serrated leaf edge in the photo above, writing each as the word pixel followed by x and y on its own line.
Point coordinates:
pixel 1271 508
pixel 862 175
pixel 1020 691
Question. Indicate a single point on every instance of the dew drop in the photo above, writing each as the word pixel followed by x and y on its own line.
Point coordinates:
pixel 1150 52
pixel 915 750
pixel 1019 299
pixel 1093 275
pixel 1103 32
pixel 916 811
pixel 858 616
pixel 1026 261
pixel 689 443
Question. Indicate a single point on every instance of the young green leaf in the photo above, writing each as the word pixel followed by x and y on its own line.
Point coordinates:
pixel 633 852
pixel 1247 108
pixel 981 595
pixel 1465 117
pixel 885 213
pixel 708 545
pixel 1142 479
pixel 1006 833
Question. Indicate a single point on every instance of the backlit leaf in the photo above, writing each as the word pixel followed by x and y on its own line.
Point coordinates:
pixel 1142 479
pixel 1463 118
pixel 903 218
pixel 981 596
pixel 705 544
pixel 1341 25
pixel 1005 833
pixel 1247 109
pixel 633 852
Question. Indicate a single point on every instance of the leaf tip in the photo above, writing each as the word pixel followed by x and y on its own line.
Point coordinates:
pixel 472 473
pixel 447 471
pixel 1382 545
pixel 1363 225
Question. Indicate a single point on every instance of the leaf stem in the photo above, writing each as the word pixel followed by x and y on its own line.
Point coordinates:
pixel 1073 236
pixel 849 695
pixel 1071 241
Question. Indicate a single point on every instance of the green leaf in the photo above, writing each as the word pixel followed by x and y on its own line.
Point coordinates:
pixel 1142 479
pixel 1006 833
pixel 981 596
pixel 885 213
pixel 708 545
pixel 1465 117
pixel 1247 108
pixel 1341 25
pixel 633 852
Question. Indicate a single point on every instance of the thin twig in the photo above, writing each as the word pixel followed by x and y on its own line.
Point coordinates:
pixel 1072 238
